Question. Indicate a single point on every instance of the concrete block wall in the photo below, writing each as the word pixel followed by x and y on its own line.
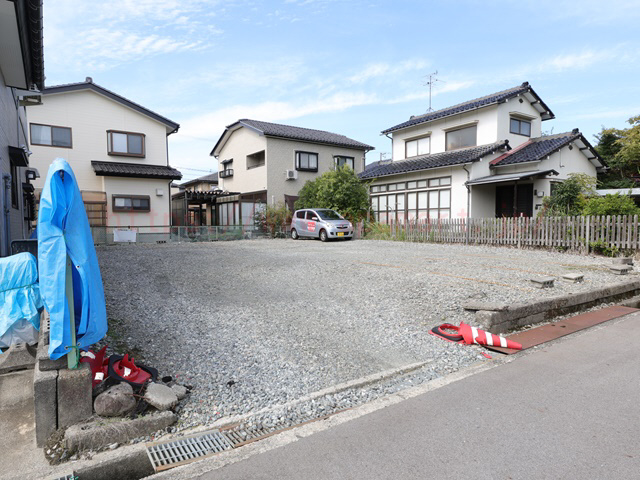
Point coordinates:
pixel 62 397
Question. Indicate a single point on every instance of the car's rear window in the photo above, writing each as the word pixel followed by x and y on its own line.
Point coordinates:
pixel 329 215
pixel 300 214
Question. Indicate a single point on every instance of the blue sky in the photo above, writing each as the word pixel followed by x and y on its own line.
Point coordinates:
pixel 350 67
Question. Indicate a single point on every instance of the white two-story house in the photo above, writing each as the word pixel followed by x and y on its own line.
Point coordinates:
pixel 482 158
pixel 262 162
pixel 117 149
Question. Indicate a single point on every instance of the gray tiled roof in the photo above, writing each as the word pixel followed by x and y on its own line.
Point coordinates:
pixel 305 134
pixel 434 160
pixel 211 178
pixel 116 169
pixel 538 148
pixel 498 97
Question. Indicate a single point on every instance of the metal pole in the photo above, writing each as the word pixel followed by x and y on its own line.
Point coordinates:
pixel 73 357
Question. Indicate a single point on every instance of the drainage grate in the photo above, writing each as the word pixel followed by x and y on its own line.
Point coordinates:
pixel 185 450
pixel 238 436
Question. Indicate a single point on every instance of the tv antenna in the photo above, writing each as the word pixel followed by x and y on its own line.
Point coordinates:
pixel 432 81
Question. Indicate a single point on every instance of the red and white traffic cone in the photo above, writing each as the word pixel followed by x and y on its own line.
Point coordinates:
pixel 472 335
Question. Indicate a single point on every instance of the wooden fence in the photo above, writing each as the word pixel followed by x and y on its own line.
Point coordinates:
pixel 574 233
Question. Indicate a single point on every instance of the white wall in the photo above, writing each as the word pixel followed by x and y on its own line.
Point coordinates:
pixel 487 124
pixel 160 212
pixel 90 115
pixel 243 142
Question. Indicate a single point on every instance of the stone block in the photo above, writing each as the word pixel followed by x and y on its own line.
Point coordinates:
pixel 623 261
pixel 18 357
pixel 117 401
pixel 160 396
pixel 131 464
pixel 45 396
pixel 475 305
pixel 46 364
pixel 75 402
pixel 620 269
pixel 100 433
pixel 573 277
pixel 543 282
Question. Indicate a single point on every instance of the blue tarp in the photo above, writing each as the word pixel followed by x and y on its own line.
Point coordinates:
pixel 19 292
pixel 63 229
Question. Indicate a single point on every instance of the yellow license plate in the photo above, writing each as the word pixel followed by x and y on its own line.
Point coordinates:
pixel 340 234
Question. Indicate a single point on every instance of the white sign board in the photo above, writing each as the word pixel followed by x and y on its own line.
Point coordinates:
pixel 124 235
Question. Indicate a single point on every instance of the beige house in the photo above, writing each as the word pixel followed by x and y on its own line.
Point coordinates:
pixel 262 162
pixel 117 149
pixel 21 78
pixel 485 157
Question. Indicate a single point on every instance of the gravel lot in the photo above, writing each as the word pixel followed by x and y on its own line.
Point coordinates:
pixel 258 323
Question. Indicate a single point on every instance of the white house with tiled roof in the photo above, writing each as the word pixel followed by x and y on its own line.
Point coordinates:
pixel 482 158
pixel 117 149
pixel 262 162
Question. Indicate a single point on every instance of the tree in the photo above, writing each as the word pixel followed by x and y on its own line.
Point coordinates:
pixel 611 205
pixel 569 197
pixel 339 190
pixel 620 149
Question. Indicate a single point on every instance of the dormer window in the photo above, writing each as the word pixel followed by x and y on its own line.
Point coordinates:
pixel 520 127
pixel 417 146
pixel 462 137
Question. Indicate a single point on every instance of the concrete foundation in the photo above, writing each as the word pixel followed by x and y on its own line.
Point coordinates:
pixel 519 315
pixel 45 395
pixel 18 357
pixel 75 403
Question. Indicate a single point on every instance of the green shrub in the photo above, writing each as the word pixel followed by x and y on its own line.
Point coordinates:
pixel 603 249
pixel 273 219
pixel 610 205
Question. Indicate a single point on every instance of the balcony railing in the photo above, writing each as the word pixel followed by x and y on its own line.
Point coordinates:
pixel 226 173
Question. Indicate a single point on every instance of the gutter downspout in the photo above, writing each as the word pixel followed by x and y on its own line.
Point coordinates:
pixel 6 183
pixel 466 184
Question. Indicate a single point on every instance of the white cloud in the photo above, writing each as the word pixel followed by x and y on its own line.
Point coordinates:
pixel 102 35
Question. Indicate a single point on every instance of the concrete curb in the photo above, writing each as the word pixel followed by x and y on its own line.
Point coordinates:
pixel 359 382
pixel 519 315
pixel 96 435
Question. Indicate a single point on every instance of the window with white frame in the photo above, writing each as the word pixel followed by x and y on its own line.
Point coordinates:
pixel 462 137
pixel 418 146
pixel 341 161
pixel 423 199
pixel 50 136
pixel 125 143
pixel 307 161
pixel 520 127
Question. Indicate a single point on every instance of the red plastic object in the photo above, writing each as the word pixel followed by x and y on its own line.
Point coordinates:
pixel 98 363
pixel 473 335
pixel 127 370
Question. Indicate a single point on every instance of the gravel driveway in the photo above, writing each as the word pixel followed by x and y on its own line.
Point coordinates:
pixel 259 323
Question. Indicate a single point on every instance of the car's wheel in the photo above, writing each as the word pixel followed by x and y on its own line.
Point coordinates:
pixel 294 234
pixel 323 235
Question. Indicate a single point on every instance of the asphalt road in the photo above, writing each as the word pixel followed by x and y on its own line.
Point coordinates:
pixel 569 410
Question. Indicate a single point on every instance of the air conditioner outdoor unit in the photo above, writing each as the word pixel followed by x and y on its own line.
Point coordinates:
pixel 292 175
